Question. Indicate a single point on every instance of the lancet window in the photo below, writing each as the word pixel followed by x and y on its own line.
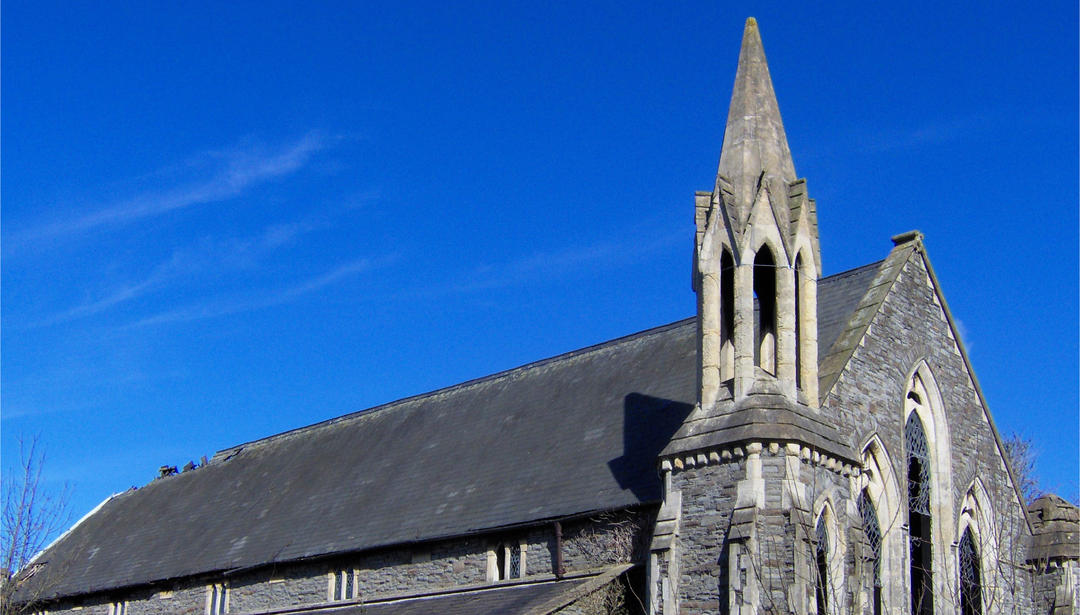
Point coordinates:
pixel 970 576
pixel 727 316
pixel 919 515
pixel 821 566
pixel 872 557
pixel 798 320
pixel 765 314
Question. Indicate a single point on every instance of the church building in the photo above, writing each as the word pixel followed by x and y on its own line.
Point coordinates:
pixel 805 444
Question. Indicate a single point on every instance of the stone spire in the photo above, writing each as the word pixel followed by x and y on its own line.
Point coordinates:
pixel 757 258
pixel 755 152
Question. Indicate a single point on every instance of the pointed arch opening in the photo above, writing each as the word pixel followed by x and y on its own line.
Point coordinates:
pixel 727 316
pixel 880 504
pixel 919 514
pixel 874 543
pixel 821 566
pixel 798 321
pixel 765 310
pixel 970 576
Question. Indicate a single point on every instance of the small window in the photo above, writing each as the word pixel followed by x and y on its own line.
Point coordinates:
pixel 118 608
pixel 217 599
pixel 343 585
pixel 507 561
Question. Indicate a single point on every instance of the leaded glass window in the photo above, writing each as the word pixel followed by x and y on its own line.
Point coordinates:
pixel 919 514
pixel 919 463
pixel 872 530
pixel 822 561
pixel 970 577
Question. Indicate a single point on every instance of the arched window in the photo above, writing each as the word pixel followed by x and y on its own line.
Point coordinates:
pixel 765 314
pixel 727 316
pixel 501 552
pixel 872 558
pixel 506 562
pixel 821 566
pixel 919 515
pixel 970 576
pixel 798 320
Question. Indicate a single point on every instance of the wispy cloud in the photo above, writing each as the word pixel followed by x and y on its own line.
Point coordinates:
pixel 209 254
pixel 234 171
pixel 217 308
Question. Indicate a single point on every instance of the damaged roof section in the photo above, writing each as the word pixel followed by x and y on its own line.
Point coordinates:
pixel 1056 525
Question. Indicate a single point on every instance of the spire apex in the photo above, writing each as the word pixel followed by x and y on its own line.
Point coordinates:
pixel 755 145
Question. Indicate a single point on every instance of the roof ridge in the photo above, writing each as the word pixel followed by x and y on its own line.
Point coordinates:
pixel 852 271
pixel 225 453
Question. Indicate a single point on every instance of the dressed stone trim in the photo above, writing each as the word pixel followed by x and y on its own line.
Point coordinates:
pixel 729 454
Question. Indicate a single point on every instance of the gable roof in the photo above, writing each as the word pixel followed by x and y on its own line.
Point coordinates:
pixel 577 433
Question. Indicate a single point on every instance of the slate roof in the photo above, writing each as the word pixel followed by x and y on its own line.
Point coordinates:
pixel 577 433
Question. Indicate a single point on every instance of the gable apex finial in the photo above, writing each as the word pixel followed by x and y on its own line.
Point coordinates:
pixel 755 144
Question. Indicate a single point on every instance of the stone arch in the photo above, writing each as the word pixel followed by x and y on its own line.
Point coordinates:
pixel 727 314
pixel 836 550
pixel 766 286
pixel 922 397
pixel 976 516
pixel 882 486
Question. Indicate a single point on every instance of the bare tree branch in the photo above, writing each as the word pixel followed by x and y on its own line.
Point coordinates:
pixel 32 516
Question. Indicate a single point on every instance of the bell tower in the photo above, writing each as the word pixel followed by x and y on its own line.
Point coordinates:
pixel 757 259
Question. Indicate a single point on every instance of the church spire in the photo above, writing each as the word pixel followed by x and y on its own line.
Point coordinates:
pixel 757 257
pixel 755 150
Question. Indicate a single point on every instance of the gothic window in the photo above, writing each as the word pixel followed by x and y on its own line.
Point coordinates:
pixel 765 314
pixel 343 584
pixel 821 561
pixel 919 516
pixel 727 316
pixel 970 577
pixel 118 608
pixel 872 558
pixel 217 599
pixel 798 320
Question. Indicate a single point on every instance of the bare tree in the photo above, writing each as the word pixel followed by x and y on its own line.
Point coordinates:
pixel 1022 456
pixel 32 516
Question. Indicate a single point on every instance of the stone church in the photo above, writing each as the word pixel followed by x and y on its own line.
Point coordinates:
pixel 805 444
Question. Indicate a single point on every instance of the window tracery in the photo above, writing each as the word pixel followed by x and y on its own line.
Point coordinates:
pixel 919 516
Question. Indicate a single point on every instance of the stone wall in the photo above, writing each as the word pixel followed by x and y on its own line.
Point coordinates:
pixel 1056 589
pixel 868 400
pixel 708 497
pixel 588 543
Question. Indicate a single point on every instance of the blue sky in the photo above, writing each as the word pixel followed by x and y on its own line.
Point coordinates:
pixel 222 222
